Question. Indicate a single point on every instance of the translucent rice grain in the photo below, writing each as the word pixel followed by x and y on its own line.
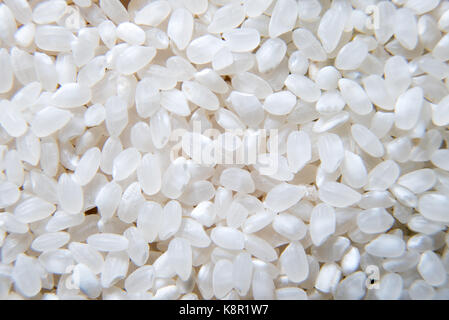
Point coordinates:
pixel 377 91
pixel 331 151
pixel 196 6
pixel 87 255
pixel 387 246
pixel 222 59
pixel 175 102
pixel 212 80
pixel 14 245
pixel 57 261
pixel 418 181
pixel 134 58
pixel 21 10
pixel 9 194
pixel 298 63
pixel 328 278
pixel 149 220
pixel 262 285
pixel 382 176
pixel 202 50
pixel 420 290
pixel 70 194
pixel 147 98
pixel 355 96
pixel 353 170
pixel 367 140
pixel 6 81
pixel 197 192
pixel 115 10
pixel 53 38
pixel 199 95
pixel 242 39
pixel 440 113
pixel 308 44
pixel 330 103
pixel 24 36
pixel 180 27
pixel 260 248
pixel 49 11
pixel 71 95
pixel 50 241
pixel 160 127
pixel 228 238
pixel 294 262
pixel 153 13
pixel 291 293
pixel 28 148
pixel 26 276
pixel 94 115
pixel 23 66
pixel 283 17
pixel 226 18
pixel 86 281
pixel 171 220
pixel 222 278
pixel 204 213
pixel 280 103
pixel 108 242
pixel 194 233
pixel 338 194
pixel 149 174
pixel 433 207
pixel 352 287
pixel 331 27
pixel 352 55
pixel 283 196
pixel 322 223
pixel 116 115
pixel 431 269
pixel 180 255
pixel 115 269
pixel 270 54
pixel 237 180
pixel 132 200
pixel 108 33
pixel 303 87
pixel 248 107
pixel 407 30
pixel 327 78
pixel 390 287
pixel 130 33
pixel 250 83
pixel 374 220
pixel 140 280
pixel 439 158
pixel 12 120
pixel 33 209
pixel 45 71
pixel 111 148
pixel 138 250
pixel 441 50
pixel 299 150
pixel 62 220
pixel 408 108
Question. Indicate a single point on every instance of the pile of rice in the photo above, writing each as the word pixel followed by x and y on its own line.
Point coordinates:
pixel 104 106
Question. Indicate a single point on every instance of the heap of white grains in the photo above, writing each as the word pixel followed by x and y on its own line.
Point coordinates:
pixel 104 106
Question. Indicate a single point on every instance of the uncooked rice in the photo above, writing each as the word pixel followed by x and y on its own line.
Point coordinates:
pixel 224 149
